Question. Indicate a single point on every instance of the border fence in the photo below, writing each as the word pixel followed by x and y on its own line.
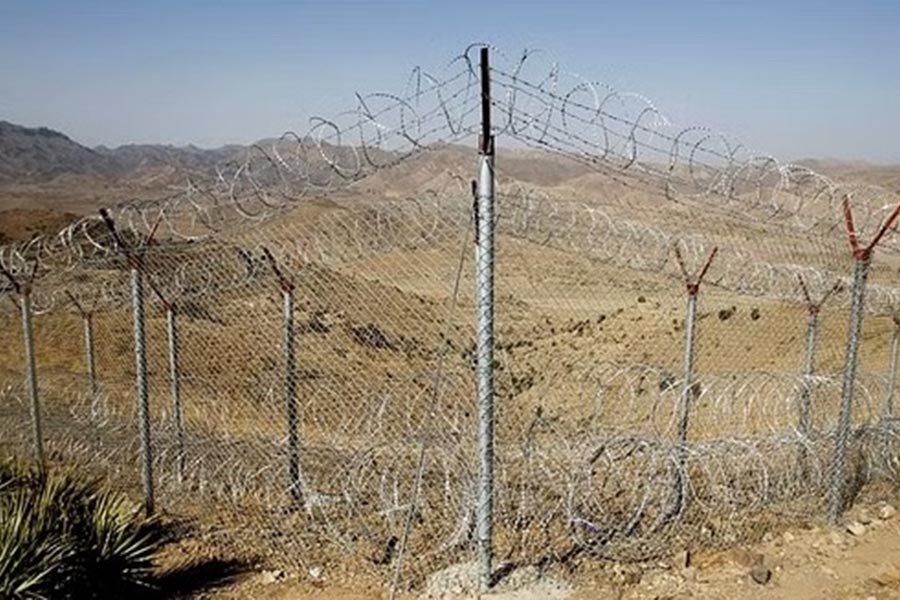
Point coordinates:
pixel 338 354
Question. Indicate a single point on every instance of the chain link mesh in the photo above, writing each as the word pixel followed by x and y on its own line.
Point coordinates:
pixel 310 337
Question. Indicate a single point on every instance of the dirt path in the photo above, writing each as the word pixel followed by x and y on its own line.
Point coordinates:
pixel 803 564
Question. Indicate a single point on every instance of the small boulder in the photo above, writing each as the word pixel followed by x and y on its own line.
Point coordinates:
pixel 886 512
pixel 272 576
pixel 761 574
pixel 856 528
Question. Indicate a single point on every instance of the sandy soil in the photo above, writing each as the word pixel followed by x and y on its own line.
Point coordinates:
pixel 805 563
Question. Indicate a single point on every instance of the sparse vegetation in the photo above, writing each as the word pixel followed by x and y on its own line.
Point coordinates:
pixel 64 536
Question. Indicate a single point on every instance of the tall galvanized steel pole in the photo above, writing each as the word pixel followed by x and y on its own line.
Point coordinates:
pixel 143 398
pixel 804 417
pixel 836 495
pixel 887 413
pixel 89 363
pixel 290 396
pixel 31 379
pixel 862 255
pixel 136 267
pixel 175 388
pixel 684 401
pixel 692 286
pixel 687 389
pixel 892 372
pixel 484 292
pixel 809 366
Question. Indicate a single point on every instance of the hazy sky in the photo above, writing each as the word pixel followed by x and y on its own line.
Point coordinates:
pixel 794 78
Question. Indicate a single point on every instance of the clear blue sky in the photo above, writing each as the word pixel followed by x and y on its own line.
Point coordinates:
pixel 794 78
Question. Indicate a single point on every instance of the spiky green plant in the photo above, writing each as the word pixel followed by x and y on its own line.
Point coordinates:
pixel 36 550
pixel 62 536
pixel 122 542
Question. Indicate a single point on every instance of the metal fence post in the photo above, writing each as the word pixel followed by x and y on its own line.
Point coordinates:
pixel 484 290
pixel 290 396
pixel 143 399
pixel 804 408
pixel 31 379
pixel 862 255
pixel 804 417
pixel 89 363
pixel 688 388
pixel 684 402
pixel 692 285
pixel 295 476
pixel 136 266
pixel 888 411
pixel 804 422
pixel 836 492
pixel 175 388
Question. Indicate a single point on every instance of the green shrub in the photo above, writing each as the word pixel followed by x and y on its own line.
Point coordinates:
pixel 62 536
pixel 122 543
pixel 33 556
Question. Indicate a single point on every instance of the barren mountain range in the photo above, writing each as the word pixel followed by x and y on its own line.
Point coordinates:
pixel 46 177
pixel 38 155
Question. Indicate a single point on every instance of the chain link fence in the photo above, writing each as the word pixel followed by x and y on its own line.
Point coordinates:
pixel 682 352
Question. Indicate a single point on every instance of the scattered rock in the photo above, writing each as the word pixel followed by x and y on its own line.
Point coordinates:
pixel 272 576
pixel 755 314
pixel 856 528
pixel 886 512
pixel 864 517
pixel 836 538
pixel 683 559
pixel 788 537
pixel 727 313
pixel 761 574
pixel 641 299
pixel 316 573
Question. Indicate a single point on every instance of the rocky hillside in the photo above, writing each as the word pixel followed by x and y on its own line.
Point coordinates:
pixel 136 157
pixel 39 154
